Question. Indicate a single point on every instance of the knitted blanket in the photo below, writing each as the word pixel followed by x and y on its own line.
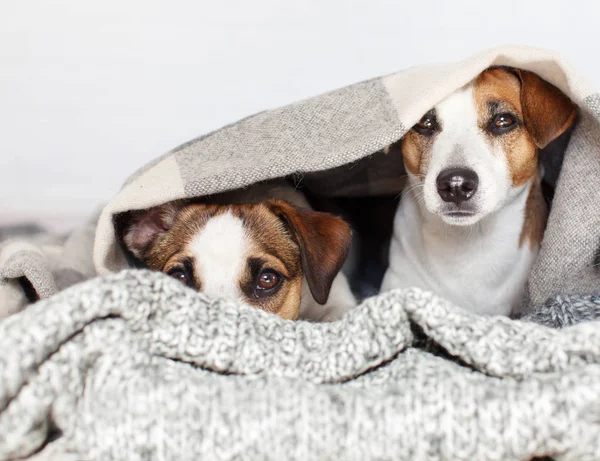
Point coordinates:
pixel 132 365
pixel 137 367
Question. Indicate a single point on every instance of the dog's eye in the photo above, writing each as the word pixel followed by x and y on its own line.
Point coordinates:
pixel 502 123
pixel 427 125
pixel 179 274
pixel 267 282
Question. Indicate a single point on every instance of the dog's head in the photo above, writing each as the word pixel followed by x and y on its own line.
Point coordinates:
pixel 478 148
pixel 257 253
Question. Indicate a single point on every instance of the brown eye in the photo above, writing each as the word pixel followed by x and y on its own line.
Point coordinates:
pixel 502 123
pixel 267 282
pixel 179 274
pixel 427 125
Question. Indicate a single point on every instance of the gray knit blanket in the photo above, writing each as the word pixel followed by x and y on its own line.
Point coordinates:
pixel 137 367
pixel 102 362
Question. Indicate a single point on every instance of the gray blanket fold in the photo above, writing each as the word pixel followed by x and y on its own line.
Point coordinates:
pixel 43 263
pixel 131 365
pixel 135 366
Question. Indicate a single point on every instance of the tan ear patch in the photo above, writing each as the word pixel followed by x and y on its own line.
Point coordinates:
pixel 548 112
pixel 145 227
pixel 324 241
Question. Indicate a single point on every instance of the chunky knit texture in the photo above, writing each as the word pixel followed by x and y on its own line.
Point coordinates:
pixel 563 311
pixel 137 367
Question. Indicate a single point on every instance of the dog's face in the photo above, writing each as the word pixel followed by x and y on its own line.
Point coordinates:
pixel 256 253
pixel 478 148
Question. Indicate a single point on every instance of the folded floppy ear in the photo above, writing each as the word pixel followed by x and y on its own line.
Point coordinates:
pixel 324 241
pixel 547 111
pixel 145 226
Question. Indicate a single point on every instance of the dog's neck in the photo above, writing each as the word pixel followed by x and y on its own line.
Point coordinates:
pixel 487 257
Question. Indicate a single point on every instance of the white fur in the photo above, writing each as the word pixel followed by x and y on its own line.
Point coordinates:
pixel 474 261
pixel 221 248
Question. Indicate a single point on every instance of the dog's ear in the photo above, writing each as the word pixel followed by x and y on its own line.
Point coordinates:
pixel 547 111
pixel 324 241
pixel 145 226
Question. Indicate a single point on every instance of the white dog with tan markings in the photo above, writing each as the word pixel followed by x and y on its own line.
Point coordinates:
pixel 470 223
pixel 264 247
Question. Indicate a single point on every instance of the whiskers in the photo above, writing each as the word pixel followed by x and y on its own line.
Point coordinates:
pixel 417 190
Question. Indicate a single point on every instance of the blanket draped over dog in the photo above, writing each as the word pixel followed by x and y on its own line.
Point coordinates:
pixel 134 366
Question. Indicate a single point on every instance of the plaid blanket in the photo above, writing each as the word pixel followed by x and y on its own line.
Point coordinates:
pixel 133 366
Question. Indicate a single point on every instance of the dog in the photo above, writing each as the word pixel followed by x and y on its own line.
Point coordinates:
pixel 268 253
pixel 470 221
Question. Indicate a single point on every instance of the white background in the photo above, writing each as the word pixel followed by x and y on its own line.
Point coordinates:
pixel 91 90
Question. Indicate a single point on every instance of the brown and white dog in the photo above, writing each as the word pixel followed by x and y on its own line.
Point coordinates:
pixel 272 255
pixel 471 220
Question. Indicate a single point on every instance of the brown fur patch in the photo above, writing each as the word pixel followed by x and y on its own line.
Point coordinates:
pixel 324 241
pixel 497 91
pixel 170 246
pixel 272 246
pixel 544 113
pixel 548 112
pixel 536 215
pixel 416 150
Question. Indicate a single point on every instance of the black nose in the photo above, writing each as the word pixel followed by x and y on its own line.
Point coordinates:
pixel 457 185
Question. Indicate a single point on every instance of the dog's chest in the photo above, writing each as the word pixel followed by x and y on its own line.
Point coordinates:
pixel 482 270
